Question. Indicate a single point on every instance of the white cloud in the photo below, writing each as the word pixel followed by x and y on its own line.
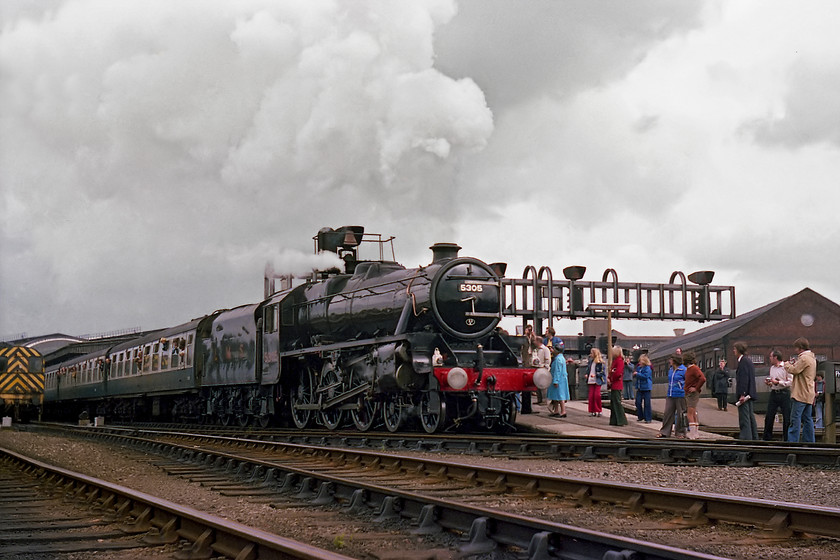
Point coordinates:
pixel 158 144
pixel 163 152
pixel 654 169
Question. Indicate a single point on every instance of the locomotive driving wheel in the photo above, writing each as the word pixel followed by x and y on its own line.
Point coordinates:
pixel 365 415
pixel 432 411
pixel 331 386
pixel 392 413
pixel 302 395
pixel 226 414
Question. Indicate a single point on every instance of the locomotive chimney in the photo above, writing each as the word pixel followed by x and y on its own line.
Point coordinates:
pixel 443 251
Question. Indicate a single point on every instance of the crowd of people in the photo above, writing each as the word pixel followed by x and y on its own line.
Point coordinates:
pixel 795 389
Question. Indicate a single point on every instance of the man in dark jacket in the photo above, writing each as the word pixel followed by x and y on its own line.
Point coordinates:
pixel 720 384
pixel 746 393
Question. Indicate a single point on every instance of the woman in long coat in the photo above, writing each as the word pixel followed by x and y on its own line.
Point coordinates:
pixel 558 391
pixel 595 377
pixel 616 386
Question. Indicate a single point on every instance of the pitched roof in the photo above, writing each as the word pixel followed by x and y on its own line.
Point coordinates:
pixel 50 343
pixel 712 333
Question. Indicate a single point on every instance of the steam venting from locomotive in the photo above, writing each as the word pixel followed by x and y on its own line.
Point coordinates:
pixel 344 242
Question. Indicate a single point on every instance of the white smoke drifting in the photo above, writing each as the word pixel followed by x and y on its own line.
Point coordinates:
pixel 150 147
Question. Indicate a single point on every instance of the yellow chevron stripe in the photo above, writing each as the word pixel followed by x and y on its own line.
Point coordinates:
pixel 12 350
pixel 19 389
pixel 19 350
pixel 17 364
pixel 21 384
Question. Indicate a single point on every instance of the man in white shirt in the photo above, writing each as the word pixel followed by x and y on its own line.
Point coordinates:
pixel 778 396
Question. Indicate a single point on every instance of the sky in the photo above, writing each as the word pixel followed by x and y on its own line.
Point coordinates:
pixel 155 156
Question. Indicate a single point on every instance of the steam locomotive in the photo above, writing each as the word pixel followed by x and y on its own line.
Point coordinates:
pixel 366 344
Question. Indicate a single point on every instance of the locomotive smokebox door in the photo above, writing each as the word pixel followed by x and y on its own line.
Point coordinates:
pixel 466 298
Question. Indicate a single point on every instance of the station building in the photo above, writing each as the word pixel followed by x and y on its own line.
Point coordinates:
pixel 772 327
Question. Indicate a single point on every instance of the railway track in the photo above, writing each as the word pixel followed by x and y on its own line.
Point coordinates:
pixel 385 496
pixel 325 474
pixel 48 510
pixel 696 452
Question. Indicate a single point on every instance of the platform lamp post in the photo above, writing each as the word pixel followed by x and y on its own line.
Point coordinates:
pixel 609 308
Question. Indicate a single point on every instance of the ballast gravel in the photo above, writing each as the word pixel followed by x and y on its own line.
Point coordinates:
pixel 805 485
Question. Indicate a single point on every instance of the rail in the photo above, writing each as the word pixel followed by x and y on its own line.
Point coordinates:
pixel 166 522
pixel 488 528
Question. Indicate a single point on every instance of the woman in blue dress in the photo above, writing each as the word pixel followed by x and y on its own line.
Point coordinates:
pixel 558 391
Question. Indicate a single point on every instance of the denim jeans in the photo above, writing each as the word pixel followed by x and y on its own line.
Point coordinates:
pixel 643 410
pixel 800 417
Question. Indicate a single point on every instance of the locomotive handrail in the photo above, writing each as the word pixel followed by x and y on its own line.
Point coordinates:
pixel 346 294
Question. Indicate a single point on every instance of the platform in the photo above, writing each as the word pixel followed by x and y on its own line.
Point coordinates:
pixel 578 422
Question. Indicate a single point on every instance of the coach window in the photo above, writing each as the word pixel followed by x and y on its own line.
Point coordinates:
pixel 164 354
pixel 147 358
pixel 189 350
pixel 176 351
pixel 155 357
